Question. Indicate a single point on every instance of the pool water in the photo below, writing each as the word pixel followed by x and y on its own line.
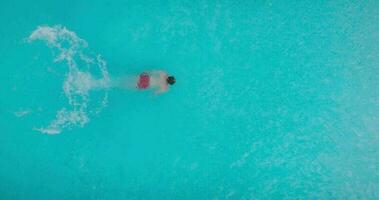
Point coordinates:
pixel 273 100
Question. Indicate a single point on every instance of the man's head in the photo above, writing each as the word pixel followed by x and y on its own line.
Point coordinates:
pixel 170 80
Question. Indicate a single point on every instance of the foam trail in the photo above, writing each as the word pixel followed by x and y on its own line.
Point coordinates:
pixel 22 113
pixel 79 80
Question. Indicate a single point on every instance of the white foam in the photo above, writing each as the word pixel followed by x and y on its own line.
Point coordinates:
pixel 22 113
pixel 79 80
pixel 50 131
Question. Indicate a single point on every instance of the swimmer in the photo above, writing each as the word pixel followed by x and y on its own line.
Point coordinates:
pixel 157 80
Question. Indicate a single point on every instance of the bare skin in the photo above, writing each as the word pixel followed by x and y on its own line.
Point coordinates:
pixel 158 81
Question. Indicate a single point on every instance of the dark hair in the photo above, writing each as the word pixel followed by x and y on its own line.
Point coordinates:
pixel 170 80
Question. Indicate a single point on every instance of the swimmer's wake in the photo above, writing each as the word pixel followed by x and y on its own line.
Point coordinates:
pixel 79 80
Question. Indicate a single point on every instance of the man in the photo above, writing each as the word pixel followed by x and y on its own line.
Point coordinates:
pixel 157 80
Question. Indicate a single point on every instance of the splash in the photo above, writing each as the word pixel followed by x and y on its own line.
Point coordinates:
pixel 80 79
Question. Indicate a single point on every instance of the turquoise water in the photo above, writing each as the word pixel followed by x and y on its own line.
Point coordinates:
pixel 273 100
